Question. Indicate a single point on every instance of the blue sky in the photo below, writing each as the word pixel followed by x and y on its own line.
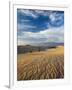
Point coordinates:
pixel 39 26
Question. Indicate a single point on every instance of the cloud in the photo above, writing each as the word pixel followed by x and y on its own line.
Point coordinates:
pixel 24 26
pixel 27 12
pixel 49 35
pixel 46 33
pixel 56 19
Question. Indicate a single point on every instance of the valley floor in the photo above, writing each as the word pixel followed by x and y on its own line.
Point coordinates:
pixel 47 64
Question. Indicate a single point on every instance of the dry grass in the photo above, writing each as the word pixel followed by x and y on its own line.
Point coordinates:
pixel 41 65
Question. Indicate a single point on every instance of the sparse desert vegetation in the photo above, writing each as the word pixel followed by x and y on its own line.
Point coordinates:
pixel 37 65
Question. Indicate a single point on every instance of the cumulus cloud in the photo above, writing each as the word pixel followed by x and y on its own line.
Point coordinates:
pixel 49 35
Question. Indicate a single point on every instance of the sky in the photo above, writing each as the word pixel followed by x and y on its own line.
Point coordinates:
pixel 39 26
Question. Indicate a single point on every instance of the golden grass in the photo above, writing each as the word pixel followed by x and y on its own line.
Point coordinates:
pixel 41 65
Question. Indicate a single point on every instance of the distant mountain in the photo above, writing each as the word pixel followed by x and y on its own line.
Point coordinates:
pixel 48 44
pixel 52 44
pixel 37 47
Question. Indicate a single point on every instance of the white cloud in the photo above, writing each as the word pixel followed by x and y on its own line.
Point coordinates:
pixel 52 17
pixel 45 33
pixel 20 41
pixel 36 13
pixel 24 26
pixel 28 13
pixel 49 35
pixel 55 16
